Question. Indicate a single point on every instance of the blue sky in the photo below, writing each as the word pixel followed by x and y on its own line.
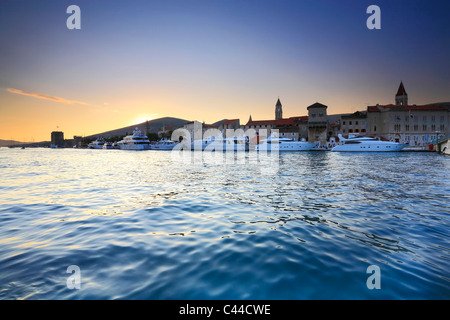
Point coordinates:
pixel 213 59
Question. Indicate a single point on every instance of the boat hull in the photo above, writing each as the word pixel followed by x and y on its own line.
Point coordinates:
pixel 286 147
pixel 394 147
pixel 95 146
pixel 134 147
pixel 161 147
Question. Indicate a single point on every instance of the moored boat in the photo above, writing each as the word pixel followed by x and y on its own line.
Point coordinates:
pixel 135 141
pixel 163 144
pixel 274 143
pixel 97 144
pixel 366 144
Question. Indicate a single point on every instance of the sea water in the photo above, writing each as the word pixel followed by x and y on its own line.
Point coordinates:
pixel 145 225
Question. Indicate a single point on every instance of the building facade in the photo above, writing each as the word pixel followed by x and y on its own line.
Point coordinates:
pixel 317 123
pixel 233 124
pixel 57 139
pixel 355 123
pixel 417 125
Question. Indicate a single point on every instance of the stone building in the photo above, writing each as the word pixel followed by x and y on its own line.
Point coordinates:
pixel 57 139
pixel 418 125
pixel 355 123
pixel 230 124
pixel 317 123
pixel 295 128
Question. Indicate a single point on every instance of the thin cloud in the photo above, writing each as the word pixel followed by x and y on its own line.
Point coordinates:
pixel 45 97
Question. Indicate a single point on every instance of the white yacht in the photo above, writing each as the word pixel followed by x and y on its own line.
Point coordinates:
pixel 163 144
pixel 274 143
pixel 355 143
pixel 236 144
pixel 108 145
pixel 97 144
pixel 213 143
pixel 135 141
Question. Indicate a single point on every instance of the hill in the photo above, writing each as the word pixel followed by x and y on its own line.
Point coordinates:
pixel 7 143
pixel 152 126
pixel 218 123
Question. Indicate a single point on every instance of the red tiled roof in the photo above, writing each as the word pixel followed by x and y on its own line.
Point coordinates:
pixel 317 105
pixel 426 107
pixel 408 107
pixel 300 118
pixel 262 123
pixel 230 121
pixel 285 122
pixel 280 122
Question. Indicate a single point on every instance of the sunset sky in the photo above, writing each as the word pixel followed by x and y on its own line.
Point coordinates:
pixel 208 60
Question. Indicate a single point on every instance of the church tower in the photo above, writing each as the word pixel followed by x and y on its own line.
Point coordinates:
pixel 278 110
pixel 401 98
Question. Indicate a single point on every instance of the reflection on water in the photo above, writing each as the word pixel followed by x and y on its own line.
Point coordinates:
pixel 143 225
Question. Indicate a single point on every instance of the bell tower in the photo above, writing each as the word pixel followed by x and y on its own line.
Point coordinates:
pixel 401 98
pixel 278 110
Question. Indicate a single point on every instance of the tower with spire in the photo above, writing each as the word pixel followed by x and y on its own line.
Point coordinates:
pixel 278 110
pixel 401 98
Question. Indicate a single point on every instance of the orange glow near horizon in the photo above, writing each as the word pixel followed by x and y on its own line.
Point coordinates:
pixel 30 118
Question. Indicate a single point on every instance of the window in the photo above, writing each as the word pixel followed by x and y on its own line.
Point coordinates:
pixel 356 130
pixel 343 131
pixel 442 127
pixel 350 123
pixel 433 127
pixel 320 114
pixel 343 122
pixel 433 118
pixel 416 127
pixel 374 128
pixel 350 130
pixel 424 127
pixel 363 130
pixel 397 127
pixel 356 122
pixel 407 127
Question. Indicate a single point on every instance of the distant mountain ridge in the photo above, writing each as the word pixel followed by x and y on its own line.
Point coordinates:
pixel 151 126
pixel 7 143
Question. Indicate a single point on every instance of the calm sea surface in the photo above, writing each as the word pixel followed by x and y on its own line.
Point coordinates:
pixel 142 225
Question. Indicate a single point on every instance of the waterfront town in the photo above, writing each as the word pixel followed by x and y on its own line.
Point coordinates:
pixel 420 127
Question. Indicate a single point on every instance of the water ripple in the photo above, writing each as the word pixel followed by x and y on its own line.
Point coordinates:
pixel 141 226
